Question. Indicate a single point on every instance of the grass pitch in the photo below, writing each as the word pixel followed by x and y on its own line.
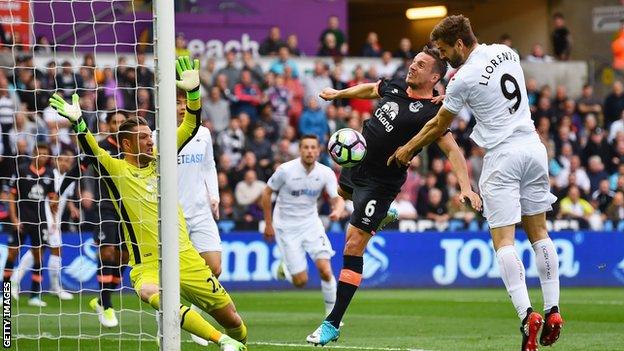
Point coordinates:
pixel 476 319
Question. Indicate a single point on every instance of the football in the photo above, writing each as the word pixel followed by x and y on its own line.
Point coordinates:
pixel 347 147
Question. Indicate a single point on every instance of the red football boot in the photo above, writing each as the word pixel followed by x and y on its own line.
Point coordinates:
pixel 529 329
pixel 552 327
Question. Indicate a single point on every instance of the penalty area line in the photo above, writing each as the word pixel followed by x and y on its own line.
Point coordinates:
pixel 332 346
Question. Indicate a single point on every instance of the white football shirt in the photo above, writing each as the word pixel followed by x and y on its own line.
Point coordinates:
pixel 197 175
pixel 491 84
pixel 298 191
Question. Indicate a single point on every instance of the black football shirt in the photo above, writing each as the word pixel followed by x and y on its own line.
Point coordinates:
pixel 31 186
pixel 396 119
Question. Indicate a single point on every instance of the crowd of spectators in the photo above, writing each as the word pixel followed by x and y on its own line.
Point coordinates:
pixel 256 114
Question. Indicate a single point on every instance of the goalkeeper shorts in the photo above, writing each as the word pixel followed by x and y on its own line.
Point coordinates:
pixel 197 283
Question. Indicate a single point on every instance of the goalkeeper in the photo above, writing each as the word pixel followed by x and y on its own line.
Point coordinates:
pixel 133 180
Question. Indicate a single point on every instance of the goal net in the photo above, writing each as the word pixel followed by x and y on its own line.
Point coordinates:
pixel 63 265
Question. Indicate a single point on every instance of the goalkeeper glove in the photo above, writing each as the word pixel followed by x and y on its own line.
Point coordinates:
pixel 71 112
pixel 189 76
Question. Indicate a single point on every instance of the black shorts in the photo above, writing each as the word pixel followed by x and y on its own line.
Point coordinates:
pixel 371 196
pixel 38 234
pixel 109 231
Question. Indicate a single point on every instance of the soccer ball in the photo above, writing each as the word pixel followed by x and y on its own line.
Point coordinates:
pixel 347 147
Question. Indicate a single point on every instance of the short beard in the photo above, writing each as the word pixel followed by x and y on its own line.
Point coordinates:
pixel 144 159
pixel 412 86
pixel 303 159
pixel 456 61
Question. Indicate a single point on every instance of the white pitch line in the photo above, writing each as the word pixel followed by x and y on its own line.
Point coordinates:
pixel 46 335
pixel 333 346
pixel 571 302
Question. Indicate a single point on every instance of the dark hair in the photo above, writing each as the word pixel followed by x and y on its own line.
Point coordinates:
pixel 109 116
pixel 440 66
pixel 68 151
pixel 452 28
pixel 557 15
pixel 42 145
pixel 309 136
pixel 126 128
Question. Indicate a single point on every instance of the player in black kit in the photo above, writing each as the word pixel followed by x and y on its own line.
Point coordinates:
pixel 404 108
pixel 113 255
pixel 29 187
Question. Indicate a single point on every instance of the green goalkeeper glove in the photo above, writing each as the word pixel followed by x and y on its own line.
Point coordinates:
pixel 189 76
pixel 71 112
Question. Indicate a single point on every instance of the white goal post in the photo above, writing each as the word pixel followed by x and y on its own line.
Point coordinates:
pixel 164 39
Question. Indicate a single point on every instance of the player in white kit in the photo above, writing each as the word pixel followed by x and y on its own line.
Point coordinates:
pixel 66 173
pixel 514 182
pixel 198 194
pixel 295 223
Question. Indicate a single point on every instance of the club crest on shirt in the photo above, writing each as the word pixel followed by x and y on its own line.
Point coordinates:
pixel 415 106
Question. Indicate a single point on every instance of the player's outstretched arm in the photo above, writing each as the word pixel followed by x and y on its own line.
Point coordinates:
pixel 458 164
pixel 360 91
pixel 265 202
pixel 87 142
pixel 188 72
pixel 427 135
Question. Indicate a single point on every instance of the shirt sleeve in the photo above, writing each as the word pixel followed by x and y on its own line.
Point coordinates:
pixel 90 147
pixel 456 94
pixel 50 186
pixel 383 85
pixel 69 180
pixel 277 179
pixel 189 126
pixel 210 169
pixel 331 184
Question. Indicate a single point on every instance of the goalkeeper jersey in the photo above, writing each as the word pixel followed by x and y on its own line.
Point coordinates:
pixel 136 192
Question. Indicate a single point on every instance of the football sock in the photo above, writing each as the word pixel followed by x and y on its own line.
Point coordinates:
pixel 512 273
pixel 547 262
pixel 287 274
pixel 329 293
pixel 349 281
pixel 191 321
pixel 105 277
pixel 36 280
pixel 54 266
pixel 239 333
pixel 8 269
pixel 116 273
pixel 25 264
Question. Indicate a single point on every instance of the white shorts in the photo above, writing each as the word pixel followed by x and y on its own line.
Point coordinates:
pixel 204 233
pixel 295 242
pixel 514 182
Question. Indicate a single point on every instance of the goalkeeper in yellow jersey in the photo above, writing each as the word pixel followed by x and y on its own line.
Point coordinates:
pixel 133 181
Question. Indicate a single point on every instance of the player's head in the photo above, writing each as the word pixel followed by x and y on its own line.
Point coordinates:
pixel 65 160
pixel 426 69
pixel 180 105
pixel 454 38
pixel 41 155
pixel 114 119
pixel 309 149
pixel 135 137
